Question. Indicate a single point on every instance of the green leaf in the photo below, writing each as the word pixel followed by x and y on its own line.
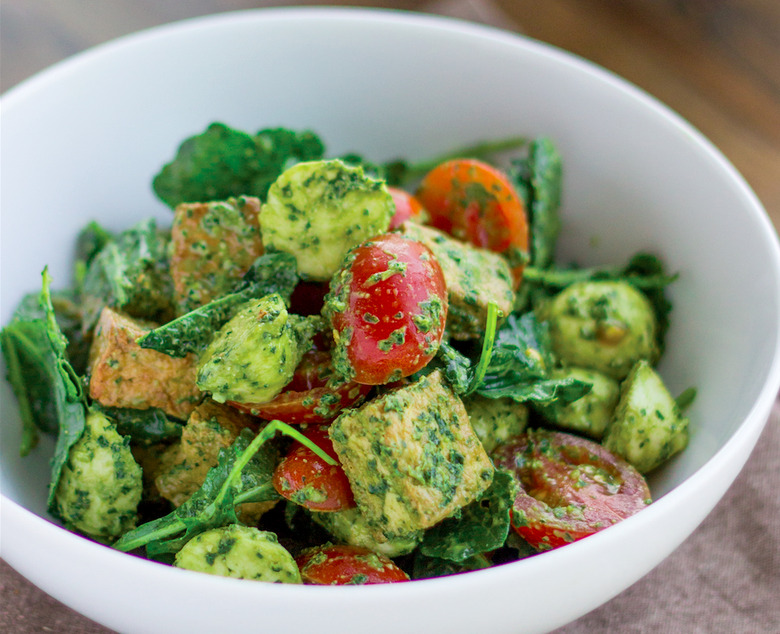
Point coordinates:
pixel 144 427
pixel 272 272
pixel 130 274
pixel 47 388
pixel 520 363
pixel 482 526
pixel 223 162
pixel 425 567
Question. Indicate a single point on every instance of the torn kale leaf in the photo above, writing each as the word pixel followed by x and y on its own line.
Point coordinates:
pixel 49 391
pixel 481 527
pixel 144 427
pixel 222 162
pixel 130 274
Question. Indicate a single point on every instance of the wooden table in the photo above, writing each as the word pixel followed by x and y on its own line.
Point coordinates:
pixel 717 63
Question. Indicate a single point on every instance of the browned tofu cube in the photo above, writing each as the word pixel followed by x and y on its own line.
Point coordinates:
pixel 122 374
pixel 213 244
pixel 183 466
pixel 411 456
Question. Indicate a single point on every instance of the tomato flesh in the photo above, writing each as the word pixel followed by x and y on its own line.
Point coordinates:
pixel 306 479
pixel 315 395
pixel 475 202
pixel 347 565
pixel 387 308
pixel 570 487
pixel 407 207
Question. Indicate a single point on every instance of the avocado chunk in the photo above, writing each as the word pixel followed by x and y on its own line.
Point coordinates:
pixel 242 552
pixel 474 278
pixel 495 420
pixel 319 210
pixel 101 483
pixel 603 325
pixel 411 456
pixel 254 355
pixel 648 427
pixel 590 414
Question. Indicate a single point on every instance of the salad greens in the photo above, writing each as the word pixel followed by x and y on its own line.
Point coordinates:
pixel 395 465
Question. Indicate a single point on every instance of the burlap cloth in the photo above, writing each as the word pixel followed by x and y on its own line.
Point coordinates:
pixel 724 578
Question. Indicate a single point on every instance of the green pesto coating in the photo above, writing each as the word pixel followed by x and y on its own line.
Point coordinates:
pixel 318 210
pixel 242 552
pixel 495 420
pixel 411 456
pixel 648 427
pixel 351 527
pixel 604 325
pixel 254 355
pixel 100 486
pixel 590 414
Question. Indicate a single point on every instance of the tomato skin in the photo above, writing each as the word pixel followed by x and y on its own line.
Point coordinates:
pixel 387 308
pixel 347 565
pixel 570 487
pixel 407 207
pixel 315 395
pixel 475 202
pixel 306 479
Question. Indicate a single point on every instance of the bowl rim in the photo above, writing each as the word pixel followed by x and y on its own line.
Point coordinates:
pixel 745 434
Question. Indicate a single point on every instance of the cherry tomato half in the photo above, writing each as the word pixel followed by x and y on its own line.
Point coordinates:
pixel 347 565
pixel 475 202
pixel 315 395
pixel 387 307
pixel 407 207
pixel 306 479
pixel 569 487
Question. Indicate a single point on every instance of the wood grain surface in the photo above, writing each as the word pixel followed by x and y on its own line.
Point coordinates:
pixel 717 63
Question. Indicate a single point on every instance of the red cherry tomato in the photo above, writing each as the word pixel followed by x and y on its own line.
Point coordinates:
pixel 387 307
pixel 347 565
pixel 477 203
pixel 407 207
pixel 315 395
pixel 306 479
pixel 569 487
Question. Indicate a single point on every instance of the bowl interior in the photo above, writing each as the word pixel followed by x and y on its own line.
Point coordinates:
pixel 83 141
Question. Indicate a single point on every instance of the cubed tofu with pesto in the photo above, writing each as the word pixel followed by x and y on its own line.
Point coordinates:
pixel 319 210
pixel 474 278
pixel 411 456
pixel 648 427
pixel 495 420
pixel 590 414
pixel 100 486
pixel 241 552
pixel 212 245
pixel 122 374
pixel 603 325
pixel 183 466
pixel 254 355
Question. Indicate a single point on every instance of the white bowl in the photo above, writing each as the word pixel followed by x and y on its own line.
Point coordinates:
pixel 82 141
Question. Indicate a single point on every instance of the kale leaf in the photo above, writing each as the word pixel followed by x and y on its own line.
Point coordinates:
pixel 130 273
pixel 520 363
pixel 272 272
pixel 144 427
pixel 223 162
pixel 481 527
pixel 424 567
pixel 48 390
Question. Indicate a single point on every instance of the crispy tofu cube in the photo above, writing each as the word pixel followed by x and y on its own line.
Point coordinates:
pixel 122 374
pixel 474 278
pixel 411 456
pixel 212 245
pixel 184 465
